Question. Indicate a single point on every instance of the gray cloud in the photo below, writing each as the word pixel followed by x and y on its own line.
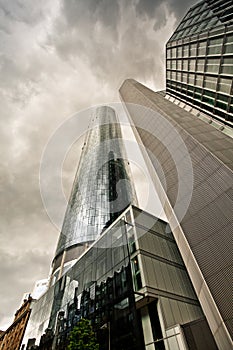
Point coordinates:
pixel 58 57
pixel 151 8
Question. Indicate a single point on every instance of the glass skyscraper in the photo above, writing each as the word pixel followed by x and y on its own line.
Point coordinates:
pixel 102 189
pixel 200 60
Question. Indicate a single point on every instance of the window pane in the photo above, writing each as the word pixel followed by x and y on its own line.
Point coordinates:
pixel 178 77
pixel 185 64
pixel 179 64
pixel 173 64
pixel 191 79
pixel 179 51
pixel 185 77
pixel 193 49
pixel 213 65
pixel 202 48
pixel 227 65
pixel 168 53
pixel 200 65
pixel 225 85
pixel 210 82
pixel 228 48
pixel 192 65
pixel 174 52
pixel 173 75
pixel 169 64
pixel 199 80
pixel 186 51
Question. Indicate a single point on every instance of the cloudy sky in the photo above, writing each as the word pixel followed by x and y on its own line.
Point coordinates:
pixel 58 57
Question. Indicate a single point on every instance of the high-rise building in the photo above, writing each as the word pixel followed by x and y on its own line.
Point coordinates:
pixel 101 190
pixel 200 60
pixel 131 282
pixel 191 163
pixel 141 282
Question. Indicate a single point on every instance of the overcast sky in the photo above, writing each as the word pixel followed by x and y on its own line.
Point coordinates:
pixel 56 58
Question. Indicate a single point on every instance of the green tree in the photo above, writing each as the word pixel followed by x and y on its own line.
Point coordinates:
pixel 82 337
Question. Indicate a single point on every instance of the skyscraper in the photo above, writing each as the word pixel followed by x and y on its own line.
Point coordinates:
pixel 188 143
pixel 191 164
pixel 131 281
pixel 147 285
pixel 200 60
pixel 101 190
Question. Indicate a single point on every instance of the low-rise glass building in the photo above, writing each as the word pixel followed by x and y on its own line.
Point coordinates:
pixel 132 285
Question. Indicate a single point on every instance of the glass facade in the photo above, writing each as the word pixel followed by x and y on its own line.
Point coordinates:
pixel 130 281
pixel 200 59
pixel 101 191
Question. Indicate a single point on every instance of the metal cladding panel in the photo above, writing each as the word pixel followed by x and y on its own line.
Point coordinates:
pixel 207 224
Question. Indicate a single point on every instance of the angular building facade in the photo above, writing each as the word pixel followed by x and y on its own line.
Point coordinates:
pixel 132 285
pixel 101 190
pixel 200 60
pixel 191 164
pixel 187 135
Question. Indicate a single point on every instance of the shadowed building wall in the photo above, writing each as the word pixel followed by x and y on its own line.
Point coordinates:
pixel 204 231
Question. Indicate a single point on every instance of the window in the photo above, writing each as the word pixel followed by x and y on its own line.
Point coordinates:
pixel 202 48
pixel 199 80
pixel 179 51
pixel 178 64
pixel 193 49
pixel 225 85
pixel 169 64
pixel 173 63
pixel 229 44
pixel 174 52
pixel 210 82
pixel 136 273
pixel 168 75
pixel 221 105
pixel 185 64
pixel 169 51
pixel 215 46
pixel 186 51
pixel 227 66
pixel 185 78
pixel 191 79
pixel 200 65
pixel 192 64
pixel 212 65
pixel 173 75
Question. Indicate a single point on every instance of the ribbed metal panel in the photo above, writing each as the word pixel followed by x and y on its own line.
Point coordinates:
pixel 208 223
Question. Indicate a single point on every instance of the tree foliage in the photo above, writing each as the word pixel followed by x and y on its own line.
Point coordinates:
pixel 82 337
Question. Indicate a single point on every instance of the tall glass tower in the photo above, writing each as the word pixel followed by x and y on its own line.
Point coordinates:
pixel 101 191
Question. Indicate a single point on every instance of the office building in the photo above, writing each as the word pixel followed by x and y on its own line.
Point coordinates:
pixel 101 191
pixel 200 60
pixel 133 286
pixel 187 135
pixel 131 282
pixel 141 282
pixel 191 163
